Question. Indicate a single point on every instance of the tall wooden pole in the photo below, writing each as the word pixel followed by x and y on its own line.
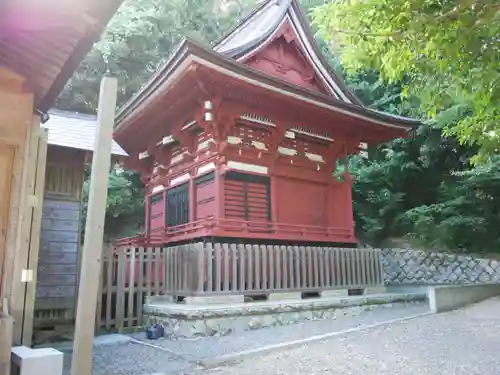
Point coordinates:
pixel 94 231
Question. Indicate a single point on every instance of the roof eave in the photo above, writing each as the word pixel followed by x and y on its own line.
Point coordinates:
pixel 103 13
pixel 161 74
pixel 189 47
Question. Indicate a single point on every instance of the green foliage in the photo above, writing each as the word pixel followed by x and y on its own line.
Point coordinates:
pixel 404 174
pixel 442 50
pixel 125 204
pixel 138 39
pixel 466 216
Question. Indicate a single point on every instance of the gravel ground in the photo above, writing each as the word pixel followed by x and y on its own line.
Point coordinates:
pixel 462 342
pixel 210 347
pixel 131 359
pixel 138 359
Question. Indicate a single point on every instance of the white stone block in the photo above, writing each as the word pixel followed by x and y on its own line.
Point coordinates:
pixel 334 293
pixel 37 361
pixel 285 296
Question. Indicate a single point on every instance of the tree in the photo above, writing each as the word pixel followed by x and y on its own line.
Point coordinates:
pixel 125 210
pixel 138 39
pixel 445 52
pixel 466 215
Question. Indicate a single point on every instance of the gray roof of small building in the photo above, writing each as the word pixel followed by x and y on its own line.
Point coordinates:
pixel 75 130
pixel 262 22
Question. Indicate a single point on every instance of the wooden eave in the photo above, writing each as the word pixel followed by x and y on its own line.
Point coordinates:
pixel 190 56
pixel 51 43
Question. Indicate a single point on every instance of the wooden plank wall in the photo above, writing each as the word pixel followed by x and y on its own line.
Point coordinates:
pixel 59 256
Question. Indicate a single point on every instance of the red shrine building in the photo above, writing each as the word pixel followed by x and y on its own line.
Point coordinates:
pixel 249 140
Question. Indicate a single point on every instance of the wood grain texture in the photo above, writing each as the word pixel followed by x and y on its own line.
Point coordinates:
pixel 34 248
pixel 58 256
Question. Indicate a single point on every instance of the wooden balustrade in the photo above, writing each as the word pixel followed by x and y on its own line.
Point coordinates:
pixel 130 274
pixel 197 269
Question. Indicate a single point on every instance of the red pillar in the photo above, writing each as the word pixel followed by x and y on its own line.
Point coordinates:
pixel 192 198
pixel 219 191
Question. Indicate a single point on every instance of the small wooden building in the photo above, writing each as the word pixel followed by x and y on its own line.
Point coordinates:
pixel 250 140
pixel 40 48
pixel 71 140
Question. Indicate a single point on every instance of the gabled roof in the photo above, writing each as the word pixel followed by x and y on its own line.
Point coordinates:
pixel 259 27
pixel 75 130
pixel 45 41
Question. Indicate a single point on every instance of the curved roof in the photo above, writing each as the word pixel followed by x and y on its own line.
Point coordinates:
pixel 263 23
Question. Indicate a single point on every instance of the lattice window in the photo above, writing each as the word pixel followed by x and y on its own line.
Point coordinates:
pixel 177 205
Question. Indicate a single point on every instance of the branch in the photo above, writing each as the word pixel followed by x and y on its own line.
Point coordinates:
pixel 357 33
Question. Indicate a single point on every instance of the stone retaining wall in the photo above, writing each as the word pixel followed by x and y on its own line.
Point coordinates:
pixel 404 266
pixel 187 321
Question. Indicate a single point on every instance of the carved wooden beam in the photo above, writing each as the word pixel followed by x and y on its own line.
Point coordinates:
pixel 163 156
pixel 335 150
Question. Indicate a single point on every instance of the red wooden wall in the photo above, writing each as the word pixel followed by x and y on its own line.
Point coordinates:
pixel 301 202
pixel 156 211
pixel 205 196
pixel 297 190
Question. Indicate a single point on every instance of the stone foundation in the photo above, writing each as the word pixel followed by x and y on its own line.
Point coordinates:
pixel 181 321
pixel 403 266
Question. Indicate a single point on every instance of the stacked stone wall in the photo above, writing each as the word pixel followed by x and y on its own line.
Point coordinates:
pixel 404 266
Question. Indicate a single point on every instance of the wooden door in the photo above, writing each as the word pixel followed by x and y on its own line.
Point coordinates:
pixel 247 198
pixel 6 165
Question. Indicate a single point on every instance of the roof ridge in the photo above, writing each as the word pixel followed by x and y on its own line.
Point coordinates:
pixel 238 23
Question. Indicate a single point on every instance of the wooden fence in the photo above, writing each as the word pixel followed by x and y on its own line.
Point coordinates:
pixel 197 269
pixel 131 274
pixel 128 277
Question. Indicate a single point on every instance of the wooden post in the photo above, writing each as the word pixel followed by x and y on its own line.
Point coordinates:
pixel 21 275
pixel 34 247
pixel 6 328
pixel 94 231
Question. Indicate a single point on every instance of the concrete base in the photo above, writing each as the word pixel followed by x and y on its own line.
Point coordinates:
pixel 159 299
pixel 37 361
pixel 284 296
pixel 450 297
pixel 334 293
pixel 214 300
pixel 189 320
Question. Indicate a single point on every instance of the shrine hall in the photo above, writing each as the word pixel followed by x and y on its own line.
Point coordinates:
pixel 249 140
